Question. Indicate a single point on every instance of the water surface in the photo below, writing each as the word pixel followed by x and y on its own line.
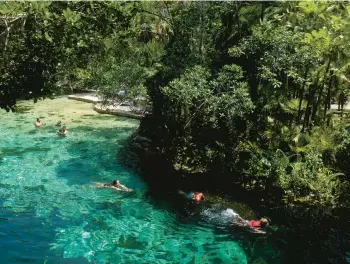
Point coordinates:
pixel 50 212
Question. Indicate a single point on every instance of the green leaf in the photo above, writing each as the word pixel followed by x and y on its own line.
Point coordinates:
pixel 47 37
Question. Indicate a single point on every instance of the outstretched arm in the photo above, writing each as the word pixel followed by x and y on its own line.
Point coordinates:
pixel 258 231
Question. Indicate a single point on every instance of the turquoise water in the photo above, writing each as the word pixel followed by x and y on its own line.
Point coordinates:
pixel 51 214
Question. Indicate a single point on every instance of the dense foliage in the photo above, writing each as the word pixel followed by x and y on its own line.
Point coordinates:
pixel 48 44
pixel 245 90
pixel 240 89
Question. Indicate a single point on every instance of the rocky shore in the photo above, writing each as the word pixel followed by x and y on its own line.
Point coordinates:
pixel 111 109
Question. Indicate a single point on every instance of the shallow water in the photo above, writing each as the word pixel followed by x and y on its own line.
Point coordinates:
pixel 50 212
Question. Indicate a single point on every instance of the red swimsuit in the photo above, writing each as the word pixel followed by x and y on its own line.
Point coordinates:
pixel 199 196
pixel 253 223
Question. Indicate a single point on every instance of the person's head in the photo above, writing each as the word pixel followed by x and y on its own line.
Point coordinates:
pixel 38 120
pixel 116 183
pixel 64 128
pixel 264 222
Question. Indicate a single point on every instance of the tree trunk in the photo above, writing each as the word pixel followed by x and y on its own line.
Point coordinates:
pixel 310 102
pixel 237 19
pixel 262 13
pixel 341 101
pixel 301 95
pixel 201 33
pixel 327 104
pixel 315 107
pixel 307 110
pixel 296 93
pixel 8 28
pixel 342 109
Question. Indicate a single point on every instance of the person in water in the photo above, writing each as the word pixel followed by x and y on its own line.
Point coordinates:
pixel 257 225
pixel 62 132
pixel 197 196
pixel 114 185
pixel 262 223
pixel 38 123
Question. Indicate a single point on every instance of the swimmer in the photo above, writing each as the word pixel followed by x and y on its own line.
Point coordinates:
pixel 257 226
pixel 114 185
pixel 197 196
pixel 62 132
pixel 38 123
pixel 58 123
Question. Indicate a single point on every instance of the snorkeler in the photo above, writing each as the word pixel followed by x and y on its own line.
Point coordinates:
pixel 62 132
pixel 257 226
pixel 197 196
pixel 38 123
pixel 262 223
pixel 114 185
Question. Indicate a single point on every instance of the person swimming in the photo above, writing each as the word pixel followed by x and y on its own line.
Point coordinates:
pixel 262 223
pixel 38 123
pixel 257 226
pixel 62 132
pixel 114 185
pixel 197 196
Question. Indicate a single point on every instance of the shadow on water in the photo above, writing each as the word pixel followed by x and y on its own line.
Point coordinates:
pixel 92 155
pixel 19 152
pixel 20 109
pixel 110 207
pixel 77 121
pixel 108 133
pixel 163 192
pixel 68 170
pixel 292 237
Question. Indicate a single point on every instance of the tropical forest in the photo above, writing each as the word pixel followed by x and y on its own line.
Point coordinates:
pixel 243 113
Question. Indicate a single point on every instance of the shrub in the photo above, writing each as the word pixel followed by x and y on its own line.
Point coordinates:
pixel 343 154
pixel 307 180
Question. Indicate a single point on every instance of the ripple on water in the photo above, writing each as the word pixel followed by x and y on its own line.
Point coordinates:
pixel 49 180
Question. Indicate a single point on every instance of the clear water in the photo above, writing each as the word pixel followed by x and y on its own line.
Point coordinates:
pixel 51 214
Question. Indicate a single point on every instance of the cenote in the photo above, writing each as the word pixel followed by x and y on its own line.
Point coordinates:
pixel 50 212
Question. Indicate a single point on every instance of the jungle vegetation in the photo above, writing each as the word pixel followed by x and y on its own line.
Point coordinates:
pixel 245 90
